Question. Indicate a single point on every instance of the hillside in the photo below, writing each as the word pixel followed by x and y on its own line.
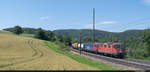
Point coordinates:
pixel 126 35
pixel 100 34
pixel 24 53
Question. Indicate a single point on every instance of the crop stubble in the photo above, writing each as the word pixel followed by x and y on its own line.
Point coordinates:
pixel 23 53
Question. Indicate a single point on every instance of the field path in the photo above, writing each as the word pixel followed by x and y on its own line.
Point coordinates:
pixel 23 53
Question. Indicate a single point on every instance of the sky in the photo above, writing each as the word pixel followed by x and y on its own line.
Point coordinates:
pixel 111 15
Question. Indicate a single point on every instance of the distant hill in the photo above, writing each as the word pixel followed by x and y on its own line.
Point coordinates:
pixel 126 35
pixel 99 33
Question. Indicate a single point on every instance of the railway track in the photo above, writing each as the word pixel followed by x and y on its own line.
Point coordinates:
pixel 140 64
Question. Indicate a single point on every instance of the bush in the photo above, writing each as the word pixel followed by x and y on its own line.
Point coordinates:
pixel 40 34
pixel 17 30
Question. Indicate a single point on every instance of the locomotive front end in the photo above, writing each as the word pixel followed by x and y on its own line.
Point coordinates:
pixel 120 50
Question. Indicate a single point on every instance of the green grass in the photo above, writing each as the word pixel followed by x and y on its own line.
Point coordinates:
pixel 79 58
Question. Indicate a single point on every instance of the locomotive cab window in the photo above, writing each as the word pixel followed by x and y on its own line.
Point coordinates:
pixel 105 46
pixel 116 46
pixel 109 45
pixel 101 45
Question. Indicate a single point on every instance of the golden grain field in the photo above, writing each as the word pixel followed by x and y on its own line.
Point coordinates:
pixel 23 53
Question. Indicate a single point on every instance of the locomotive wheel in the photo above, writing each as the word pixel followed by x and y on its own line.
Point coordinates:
pixel 121 56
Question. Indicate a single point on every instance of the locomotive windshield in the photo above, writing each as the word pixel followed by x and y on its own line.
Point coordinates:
pixel 116 46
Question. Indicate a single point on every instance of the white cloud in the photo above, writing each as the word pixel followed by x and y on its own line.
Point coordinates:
pixel 44 17
pixel 147 2
pixel 107 22
pixel 89 26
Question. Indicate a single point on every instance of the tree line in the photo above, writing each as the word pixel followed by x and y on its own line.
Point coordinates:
pixel 50 36
pixel 139 47
pixel 46 35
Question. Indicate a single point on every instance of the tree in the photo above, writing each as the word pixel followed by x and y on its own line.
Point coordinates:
pixel 114 38
pixel 146 39
pixel 67 40
pixel 17 30
pixel 88 39
pixel 50 35
pixel 96 39
pixel 60 38
pixel 40 34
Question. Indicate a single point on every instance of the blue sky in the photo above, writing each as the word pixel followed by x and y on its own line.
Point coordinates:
pixel 111 15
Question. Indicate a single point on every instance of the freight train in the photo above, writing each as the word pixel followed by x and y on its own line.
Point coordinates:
pixel 114 49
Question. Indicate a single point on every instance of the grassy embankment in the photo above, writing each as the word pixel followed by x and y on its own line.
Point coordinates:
pixel 54 47
pixel 25 53
pixel 79 58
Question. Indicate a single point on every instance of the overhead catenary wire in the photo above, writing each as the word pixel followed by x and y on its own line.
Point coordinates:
pixel 135 23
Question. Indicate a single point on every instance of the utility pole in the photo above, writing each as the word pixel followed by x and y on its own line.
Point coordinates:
pixel 80 42
pixel 94 28
pixel 93 25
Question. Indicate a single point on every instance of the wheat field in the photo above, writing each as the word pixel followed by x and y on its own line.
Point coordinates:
pixel 23 53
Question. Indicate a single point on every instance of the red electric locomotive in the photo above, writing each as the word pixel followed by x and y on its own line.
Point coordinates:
pixel 110 48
